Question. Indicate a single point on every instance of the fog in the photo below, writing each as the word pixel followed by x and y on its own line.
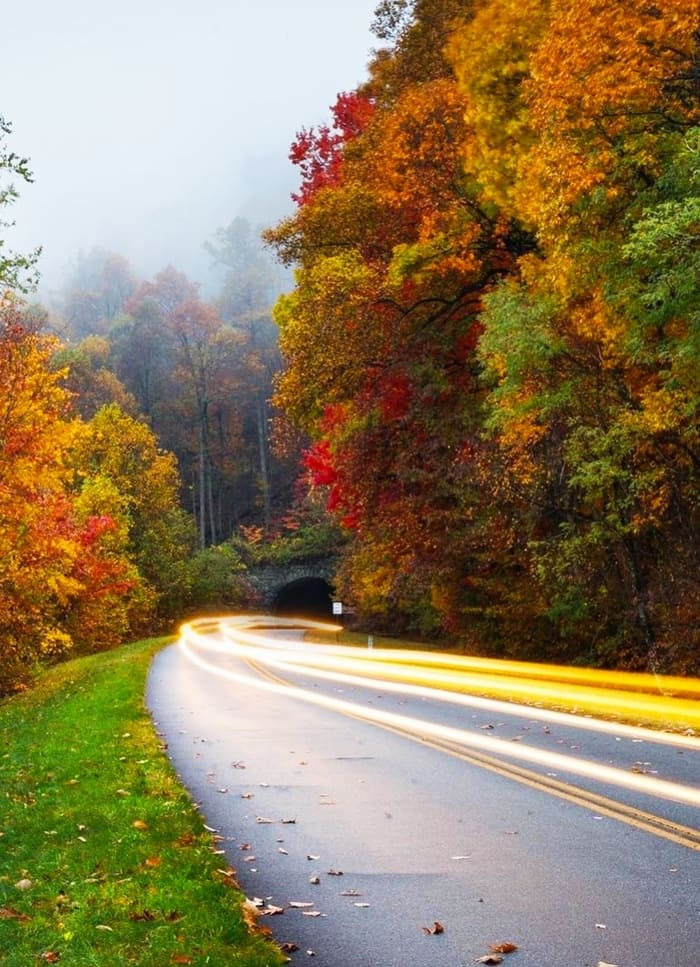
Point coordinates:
pixel 151 123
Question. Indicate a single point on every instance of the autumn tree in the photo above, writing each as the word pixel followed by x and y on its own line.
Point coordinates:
pixel 115 453
pixel 247 294
pixel 60 555
pixel 487 341
pixel 595 131
pixel 395 249
pixel 90 377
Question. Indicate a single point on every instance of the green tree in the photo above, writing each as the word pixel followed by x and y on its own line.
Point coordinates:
pixel 17 272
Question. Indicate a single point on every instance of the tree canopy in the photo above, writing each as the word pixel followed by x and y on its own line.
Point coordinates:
pixel 492 339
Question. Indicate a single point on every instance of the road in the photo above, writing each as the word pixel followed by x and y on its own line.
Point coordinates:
pixel 357 815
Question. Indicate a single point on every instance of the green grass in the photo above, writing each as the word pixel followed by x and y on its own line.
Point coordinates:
pixel 117 865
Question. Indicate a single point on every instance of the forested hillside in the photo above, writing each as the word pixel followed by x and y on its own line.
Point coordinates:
pixel 494 339
pixel 135 442
pixel 489 351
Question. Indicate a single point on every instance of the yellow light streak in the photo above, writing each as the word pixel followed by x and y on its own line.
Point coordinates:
pixel 192 640
pixel 682 713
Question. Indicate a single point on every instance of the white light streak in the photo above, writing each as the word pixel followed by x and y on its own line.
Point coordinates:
pixel 283 655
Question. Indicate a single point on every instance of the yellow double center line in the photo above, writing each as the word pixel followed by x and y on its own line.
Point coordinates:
pixel 601 805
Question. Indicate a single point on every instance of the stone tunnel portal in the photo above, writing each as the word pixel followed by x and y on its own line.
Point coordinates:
pixel 305 598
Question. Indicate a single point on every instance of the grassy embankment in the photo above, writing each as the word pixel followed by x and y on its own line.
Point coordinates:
pixel 103 857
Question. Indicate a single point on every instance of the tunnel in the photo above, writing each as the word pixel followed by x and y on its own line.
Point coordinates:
pixel 305 598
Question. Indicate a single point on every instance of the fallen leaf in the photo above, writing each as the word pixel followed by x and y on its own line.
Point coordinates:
pixel 300 904
pixel 146 915
pixel 51 957
pixel 23 884
pixel 152 862
pixel 270 911
pixel 436 928
pixel 181 959
pixel 103 926
pixel 503 948
pixel 312 913
pixel 7 913
pixel 139 824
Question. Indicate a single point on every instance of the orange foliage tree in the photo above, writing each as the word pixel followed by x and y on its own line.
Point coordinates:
pixel 57 555
pixel 581 400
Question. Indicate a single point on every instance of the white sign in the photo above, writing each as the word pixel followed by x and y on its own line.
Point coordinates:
pixel 337 607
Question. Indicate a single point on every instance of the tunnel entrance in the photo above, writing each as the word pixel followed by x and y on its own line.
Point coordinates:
pixel 305 598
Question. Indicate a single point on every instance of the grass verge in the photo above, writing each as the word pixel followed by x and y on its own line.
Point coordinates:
pixel 103 857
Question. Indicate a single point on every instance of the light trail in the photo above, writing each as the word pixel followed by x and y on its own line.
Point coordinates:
pixel 193 639
pixel 337 661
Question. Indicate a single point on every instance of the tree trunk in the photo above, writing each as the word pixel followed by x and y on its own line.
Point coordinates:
pixel 261 413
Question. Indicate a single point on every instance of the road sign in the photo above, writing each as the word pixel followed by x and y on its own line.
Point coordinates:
pixel 337 607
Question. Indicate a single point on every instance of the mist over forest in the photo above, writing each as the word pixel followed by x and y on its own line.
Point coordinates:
pixel 149 126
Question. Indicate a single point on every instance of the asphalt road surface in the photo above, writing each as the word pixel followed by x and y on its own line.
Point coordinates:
pixel 364 836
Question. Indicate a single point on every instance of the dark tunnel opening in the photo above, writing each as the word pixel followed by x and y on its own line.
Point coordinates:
pixel 305 598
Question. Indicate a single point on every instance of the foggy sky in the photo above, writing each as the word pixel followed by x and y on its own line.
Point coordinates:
pixel 151 123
